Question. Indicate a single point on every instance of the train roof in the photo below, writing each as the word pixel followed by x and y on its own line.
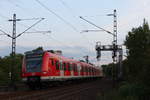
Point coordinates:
pixel 59 57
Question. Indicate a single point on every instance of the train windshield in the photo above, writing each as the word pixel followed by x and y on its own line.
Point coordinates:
pixel 33 64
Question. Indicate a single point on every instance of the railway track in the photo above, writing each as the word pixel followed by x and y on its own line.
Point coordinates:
pixel 19 87
pixel 82 91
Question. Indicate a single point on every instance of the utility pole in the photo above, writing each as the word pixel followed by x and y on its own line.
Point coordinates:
pixel 14 37
pixel 114 55
pixel 114 47
pixel 11 73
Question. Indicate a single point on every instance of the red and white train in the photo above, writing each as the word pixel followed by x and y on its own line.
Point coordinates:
pixel 47 67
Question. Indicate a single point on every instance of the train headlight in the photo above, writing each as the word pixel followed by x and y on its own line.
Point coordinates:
pixel 44 72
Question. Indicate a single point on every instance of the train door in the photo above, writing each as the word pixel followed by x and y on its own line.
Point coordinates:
pixel 71 69
pixel 61 69
pixel 79 69
pixel 50 65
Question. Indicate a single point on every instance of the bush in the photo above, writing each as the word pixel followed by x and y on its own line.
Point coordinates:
pixel 133 90
pixel 127 91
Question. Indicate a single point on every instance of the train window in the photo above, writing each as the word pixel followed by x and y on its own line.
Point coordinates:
pixel 73 67
pixel 86 69
pixel 57 65
pixel 61 66
pixel 92 70
pixel 52 62
pixel 82 70
pixel 64 64
pixel 68 66
pixel 89 69
pixel 76 69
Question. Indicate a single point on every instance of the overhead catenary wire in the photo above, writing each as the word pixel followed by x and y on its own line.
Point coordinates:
pixel 4 17
pixel 52 12
pixel 30 27
pixel 20 7
pixel 4 33
pixel 98 15
pixel 55 15
pixel 68 8
pixel 96 25
pixel 74 28
pixel 72 13
pixel 67 23
pixel 39 32
pixel 24 10
pixel 60 42
pixel 65 4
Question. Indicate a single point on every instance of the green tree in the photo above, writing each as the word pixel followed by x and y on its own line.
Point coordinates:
pixel 137 66
pixel 107 70
pixel 5 65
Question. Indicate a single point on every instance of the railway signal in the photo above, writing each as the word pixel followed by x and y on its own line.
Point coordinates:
pixel 115 48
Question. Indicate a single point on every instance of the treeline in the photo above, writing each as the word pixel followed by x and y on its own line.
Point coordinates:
pixel 5 68
pixel 6 65
pixel 136 66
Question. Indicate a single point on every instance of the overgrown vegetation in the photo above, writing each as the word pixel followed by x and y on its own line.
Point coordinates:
pixel 136 67
pixel 5 67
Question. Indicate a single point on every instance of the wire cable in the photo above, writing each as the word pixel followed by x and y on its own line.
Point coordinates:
pixel 4 17
pixel 68 7
pixel 52 12
pixel 18 6
pixel 71 11
pixel 30 27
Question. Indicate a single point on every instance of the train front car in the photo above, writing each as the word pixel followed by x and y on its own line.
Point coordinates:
pixel 42 68
pixel 34 67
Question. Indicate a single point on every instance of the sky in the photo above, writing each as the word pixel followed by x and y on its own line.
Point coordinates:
pixel 62 19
